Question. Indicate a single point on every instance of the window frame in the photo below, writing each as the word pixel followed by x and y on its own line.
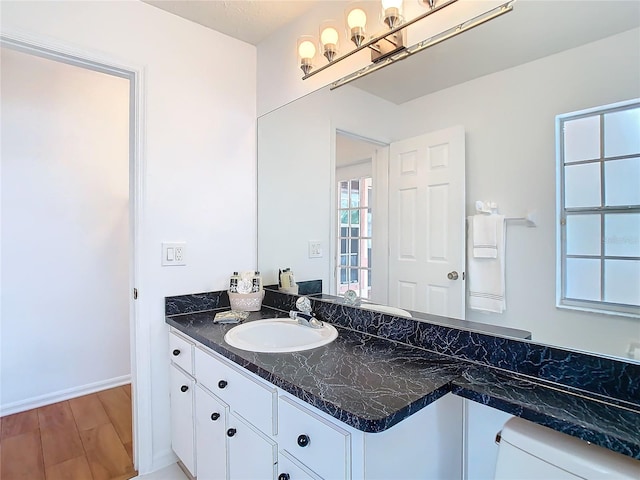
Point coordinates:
pixel 562 301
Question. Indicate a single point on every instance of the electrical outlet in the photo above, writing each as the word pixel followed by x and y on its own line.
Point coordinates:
pixel 174 254
pixel 315 249
pixel 634 350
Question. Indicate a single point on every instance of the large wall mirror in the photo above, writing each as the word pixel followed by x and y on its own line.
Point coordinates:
pixel 326 162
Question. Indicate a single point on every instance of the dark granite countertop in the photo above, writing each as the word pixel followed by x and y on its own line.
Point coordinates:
pixel 373 383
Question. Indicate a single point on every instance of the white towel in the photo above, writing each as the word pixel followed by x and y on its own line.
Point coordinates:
pixel 486 275
pixel 485 235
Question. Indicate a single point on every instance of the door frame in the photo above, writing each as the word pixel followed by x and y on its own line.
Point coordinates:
pixel 140 347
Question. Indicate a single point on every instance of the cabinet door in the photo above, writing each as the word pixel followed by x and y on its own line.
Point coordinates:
pixel 182 428
pixel 211 443
pixel 290 469
pixel 252 455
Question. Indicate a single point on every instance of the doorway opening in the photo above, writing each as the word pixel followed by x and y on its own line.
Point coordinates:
pixel 73 202
pixel 359 213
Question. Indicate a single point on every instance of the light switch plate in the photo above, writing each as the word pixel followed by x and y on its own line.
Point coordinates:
pixel 315 249
pixel 174 254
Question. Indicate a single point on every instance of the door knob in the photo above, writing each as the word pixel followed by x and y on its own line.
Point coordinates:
pixel 452 275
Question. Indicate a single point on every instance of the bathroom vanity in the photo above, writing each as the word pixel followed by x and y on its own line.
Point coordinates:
pixel 391 397
pixel 222 412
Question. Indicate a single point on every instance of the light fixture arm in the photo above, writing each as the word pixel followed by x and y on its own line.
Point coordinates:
pixel 377 39
pixel 424 44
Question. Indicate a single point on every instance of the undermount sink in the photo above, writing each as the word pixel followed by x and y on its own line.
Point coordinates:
pixel 279 335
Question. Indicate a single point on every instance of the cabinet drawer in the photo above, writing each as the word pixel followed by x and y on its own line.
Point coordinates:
pixel 249 397
pixel 313 440
pixel 181 352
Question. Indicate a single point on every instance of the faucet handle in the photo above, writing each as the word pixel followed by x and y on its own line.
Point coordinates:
pixel 304 305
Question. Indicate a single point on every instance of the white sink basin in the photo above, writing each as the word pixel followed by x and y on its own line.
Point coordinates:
pixel 279 335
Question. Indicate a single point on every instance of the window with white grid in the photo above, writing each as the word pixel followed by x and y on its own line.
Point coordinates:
pixel 599 209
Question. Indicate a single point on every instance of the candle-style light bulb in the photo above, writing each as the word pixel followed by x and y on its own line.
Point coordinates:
pixel 357 21
pixel 329 40
pixel 306 51
pixel 392 12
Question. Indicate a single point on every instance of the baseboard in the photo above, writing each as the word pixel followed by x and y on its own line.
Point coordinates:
pixel 62 395
pixel 163 459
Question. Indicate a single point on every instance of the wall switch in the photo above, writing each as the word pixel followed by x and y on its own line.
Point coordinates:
pixel 174 253
pixel 315 249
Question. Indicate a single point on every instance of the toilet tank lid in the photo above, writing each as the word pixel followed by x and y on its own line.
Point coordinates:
pixel 569 453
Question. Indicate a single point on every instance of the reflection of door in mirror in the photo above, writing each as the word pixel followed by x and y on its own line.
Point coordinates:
pixel 409 203
pixel 426 223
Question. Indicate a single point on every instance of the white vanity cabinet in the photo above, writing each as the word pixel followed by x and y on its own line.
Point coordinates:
pixel 243 427
pixel 181 393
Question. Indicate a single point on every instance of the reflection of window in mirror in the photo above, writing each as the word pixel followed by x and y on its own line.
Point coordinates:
pixel 599 209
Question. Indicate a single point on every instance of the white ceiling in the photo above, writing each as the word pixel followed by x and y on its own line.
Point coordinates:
pixel 249 21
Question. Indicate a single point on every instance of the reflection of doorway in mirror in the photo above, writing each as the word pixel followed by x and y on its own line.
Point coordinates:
pixel 355 245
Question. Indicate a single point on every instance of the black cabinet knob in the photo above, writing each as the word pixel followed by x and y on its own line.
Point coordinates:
pixel 303 440
pixel 231 432
pixel 284 476
pixel 215 416
pixel 184 388
pixel 222 383
pixel 176 352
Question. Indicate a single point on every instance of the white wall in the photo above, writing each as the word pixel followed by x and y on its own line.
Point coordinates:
pixel 65 230
pixel 295 172
pixel 199 160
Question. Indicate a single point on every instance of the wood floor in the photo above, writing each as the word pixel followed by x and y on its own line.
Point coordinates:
pixel 86 438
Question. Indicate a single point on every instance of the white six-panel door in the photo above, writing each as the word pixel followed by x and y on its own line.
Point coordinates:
pixel 427 223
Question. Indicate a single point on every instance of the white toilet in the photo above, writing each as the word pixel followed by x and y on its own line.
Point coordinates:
pixel 528 451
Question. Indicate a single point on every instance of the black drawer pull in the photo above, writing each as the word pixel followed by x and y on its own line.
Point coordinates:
pixel 184 388
pixel 303 440
pixel 215 416
pixel 176 352
pixel 231 432
pixel 284 476
pixel 222 384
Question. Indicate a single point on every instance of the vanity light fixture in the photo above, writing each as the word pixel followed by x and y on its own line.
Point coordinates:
pixel 388 46
pixel 424 44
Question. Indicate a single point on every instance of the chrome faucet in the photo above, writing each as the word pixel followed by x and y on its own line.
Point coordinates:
pixel 304 316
